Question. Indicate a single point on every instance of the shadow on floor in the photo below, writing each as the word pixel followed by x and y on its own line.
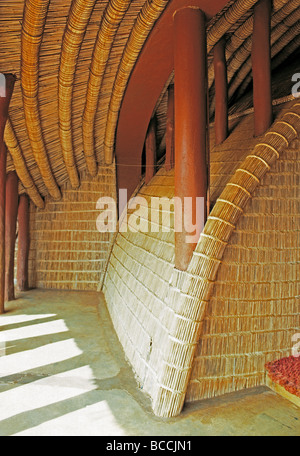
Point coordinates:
pixel 63 372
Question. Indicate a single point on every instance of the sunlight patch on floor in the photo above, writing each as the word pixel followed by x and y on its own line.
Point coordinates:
pixel 98 420
pixel 46 391
pixel 38 357
pixel 39 329
pixel 16 319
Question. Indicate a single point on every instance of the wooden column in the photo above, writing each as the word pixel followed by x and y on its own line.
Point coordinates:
pixel 221 92
pixel 170 159
pixel 191 170
pixel 261 67
pixel 11 213
pixel 4 104
pixel 151 151
pixel 23 243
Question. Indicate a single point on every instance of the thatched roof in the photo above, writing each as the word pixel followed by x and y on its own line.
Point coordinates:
pixel 73 60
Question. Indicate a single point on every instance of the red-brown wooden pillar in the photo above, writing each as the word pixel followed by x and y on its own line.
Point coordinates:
pixel 261 67
pixel 150 151
pixel 169 163
pixel 221 92
pixel 191 170
pixel 11 213
pixel 23 243
pixel 9 81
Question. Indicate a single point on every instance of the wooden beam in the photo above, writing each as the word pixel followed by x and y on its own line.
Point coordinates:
pixel 151 151
pixel 191 169
pixel 261 67
pixel 23 243
pixel 11 213
pixel 9 81
pixel 221 93
pixel 170 159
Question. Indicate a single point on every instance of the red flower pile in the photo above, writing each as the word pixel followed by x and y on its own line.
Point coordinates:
pixel 286 372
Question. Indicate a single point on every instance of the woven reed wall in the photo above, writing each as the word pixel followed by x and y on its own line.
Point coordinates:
pixel 254 309
pixel 137 282
pixel 66 250
pixel 141 265
pixel 158 311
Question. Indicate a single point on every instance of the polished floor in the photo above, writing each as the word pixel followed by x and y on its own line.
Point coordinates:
pixel 63 373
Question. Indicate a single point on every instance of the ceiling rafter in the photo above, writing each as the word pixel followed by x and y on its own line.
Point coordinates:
pixel 79 16
pixel 20 165
pixel 244 76
pixel 239 60
pixel 236 11
pixel 239 38
pixel 110 23
pixel 34 18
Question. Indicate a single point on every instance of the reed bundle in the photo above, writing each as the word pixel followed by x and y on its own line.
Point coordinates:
pixel 284 36
pixel 77 23
pixel 20 165
pixel 110 23
pixel 35 13
pixel 238 50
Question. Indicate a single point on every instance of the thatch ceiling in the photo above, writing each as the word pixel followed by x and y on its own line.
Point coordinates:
pixel 73 60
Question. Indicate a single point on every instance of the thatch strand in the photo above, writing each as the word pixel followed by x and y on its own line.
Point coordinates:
pixel 35 13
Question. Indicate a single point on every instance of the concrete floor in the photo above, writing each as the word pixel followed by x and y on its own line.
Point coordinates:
pixel 63 373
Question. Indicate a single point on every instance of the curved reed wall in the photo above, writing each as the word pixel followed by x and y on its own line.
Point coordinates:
pixel 158 311
pixel 20 165
pixel 254 310
pixel 137 282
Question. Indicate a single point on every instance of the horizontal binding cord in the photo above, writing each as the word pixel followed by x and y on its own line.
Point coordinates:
pixel 261 159
pixel 239 186
pixel 182 317
pixel 230 203
pixel 214 238
pixel 181 342
pixel 292 114
pixel 270 147
pixel 206 256
pixel 289 125
pixel 278 134
pixel 179 393
pixel 187 295
pixel 249 173
pixel 212 217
